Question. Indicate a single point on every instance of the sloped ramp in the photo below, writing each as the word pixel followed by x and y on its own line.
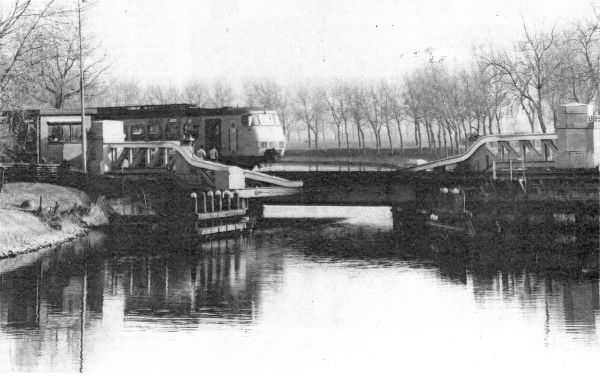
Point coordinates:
pixel 273 180
pixel 482 141
pixel 185 153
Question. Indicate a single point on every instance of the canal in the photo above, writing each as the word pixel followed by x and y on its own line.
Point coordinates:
pixel 334 292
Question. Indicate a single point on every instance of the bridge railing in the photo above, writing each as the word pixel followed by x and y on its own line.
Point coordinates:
pixel 502 146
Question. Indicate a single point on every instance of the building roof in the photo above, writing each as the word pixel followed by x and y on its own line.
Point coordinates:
pixel 63 112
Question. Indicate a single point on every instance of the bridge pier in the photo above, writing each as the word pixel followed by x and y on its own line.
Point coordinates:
pixel 256 211
pixel 406 221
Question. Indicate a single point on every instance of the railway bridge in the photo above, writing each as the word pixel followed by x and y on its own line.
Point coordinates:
pixel 516 173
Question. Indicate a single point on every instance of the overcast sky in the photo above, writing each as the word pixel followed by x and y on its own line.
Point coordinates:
pixel 290 40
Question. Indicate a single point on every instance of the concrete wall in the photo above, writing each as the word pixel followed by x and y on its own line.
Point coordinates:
pixel 105 131
pixel 478 162
pixel 578 135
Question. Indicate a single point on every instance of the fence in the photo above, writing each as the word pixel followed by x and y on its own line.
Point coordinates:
pixel 26 172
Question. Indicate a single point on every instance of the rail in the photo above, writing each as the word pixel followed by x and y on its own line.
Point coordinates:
pixel 192 160
pixel 479 143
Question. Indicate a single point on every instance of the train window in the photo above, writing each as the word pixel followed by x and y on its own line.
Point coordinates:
pixel 173 132
pixel 264 119
pixel 153 132
pixel 245 119
pixel 138 133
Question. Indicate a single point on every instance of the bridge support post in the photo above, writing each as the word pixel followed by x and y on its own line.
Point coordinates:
pixel 256 210
pixel 219 199
pixel 194 196
pixel 227 194
pixel 405 221
pixel 211 201
pixel 203 202
pixel 236 198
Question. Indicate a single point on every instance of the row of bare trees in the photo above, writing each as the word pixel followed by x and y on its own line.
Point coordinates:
pixel 436 106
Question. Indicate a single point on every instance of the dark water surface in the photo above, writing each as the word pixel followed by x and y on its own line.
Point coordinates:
pixel 303 295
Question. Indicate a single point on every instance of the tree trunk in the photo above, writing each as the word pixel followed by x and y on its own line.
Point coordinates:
pixel 401 137
pixel 439 136
pixel 427 132
pixel 346 133
pixel 361 136
pixel 540 113
pixel 389 133
pixel 445 140
pixel 497 116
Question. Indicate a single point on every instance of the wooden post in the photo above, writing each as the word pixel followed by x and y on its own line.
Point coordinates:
pixel 510 168
pixel 147 157
pixel 166 156
pixel 40 208
pixel 130 157
pixel 494 169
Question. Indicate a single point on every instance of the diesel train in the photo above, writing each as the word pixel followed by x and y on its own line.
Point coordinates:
pixel 245 136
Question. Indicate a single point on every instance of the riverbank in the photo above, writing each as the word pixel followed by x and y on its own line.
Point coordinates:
pixel 65 213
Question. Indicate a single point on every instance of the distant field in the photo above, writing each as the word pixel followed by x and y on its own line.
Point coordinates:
pixel 356 156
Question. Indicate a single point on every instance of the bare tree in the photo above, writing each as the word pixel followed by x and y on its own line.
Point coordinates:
pixel 310 107
pixel 222 95
pixel 161 94
pixel 371 103
pixel 269 94
pixel 56 70
pixel 196 92
pixel 528 71
pixel 21 22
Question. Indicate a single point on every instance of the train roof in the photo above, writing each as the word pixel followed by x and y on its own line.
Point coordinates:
pixel 168 110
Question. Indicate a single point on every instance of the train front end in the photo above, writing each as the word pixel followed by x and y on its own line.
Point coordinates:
pixel 268 136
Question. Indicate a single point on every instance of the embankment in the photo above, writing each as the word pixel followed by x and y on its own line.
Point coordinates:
pixel 65 213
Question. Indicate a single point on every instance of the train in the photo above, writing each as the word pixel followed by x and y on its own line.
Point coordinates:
pixel 243 136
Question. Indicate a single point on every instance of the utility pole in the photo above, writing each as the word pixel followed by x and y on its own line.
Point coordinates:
pixel 82 94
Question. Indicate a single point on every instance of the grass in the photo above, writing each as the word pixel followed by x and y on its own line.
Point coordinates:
pixel 64 214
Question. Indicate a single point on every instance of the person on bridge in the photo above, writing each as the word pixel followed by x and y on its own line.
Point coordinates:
pixel 213 155
pixel 200 153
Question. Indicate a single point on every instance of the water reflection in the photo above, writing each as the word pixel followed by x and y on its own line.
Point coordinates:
pixel 320 287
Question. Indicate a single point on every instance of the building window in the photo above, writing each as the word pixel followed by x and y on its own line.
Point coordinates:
pixel 64 133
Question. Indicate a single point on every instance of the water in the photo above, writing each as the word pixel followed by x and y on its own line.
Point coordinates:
pixel 298 296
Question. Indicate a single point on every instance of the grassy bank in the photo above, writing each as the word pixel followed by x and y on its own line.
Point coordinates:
pixel 65 213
